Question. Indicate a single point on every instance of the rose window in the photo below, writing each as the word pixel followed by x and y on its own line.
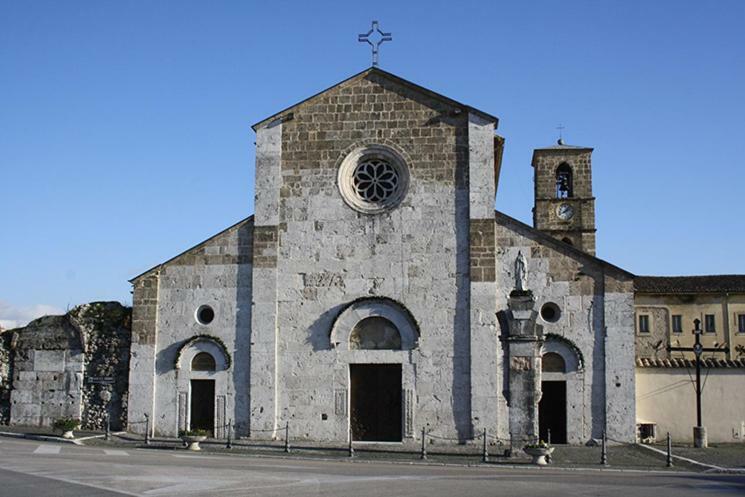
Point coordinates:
pixel 375 180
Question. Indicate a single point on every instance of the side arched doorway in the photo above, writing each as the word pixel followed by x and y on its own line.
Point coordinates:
pixel 552 409
pixel 202 365
pixel 202 393
pixel 560 365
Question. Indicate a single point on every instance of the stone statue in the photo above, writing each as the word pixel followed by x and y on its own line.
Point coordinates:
pixel 521 272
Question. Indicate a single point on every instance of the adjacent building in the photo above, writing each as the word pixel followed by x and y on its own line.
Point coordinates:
pixel 666 310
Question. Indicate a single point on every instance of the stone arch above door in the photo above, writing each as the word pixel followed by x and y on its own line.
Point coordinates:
pixel 573 359
pixel 387 309
pixel 203 343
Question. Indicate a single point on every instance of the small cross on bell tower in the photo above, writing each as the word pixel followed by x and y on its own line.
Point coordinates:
pixel 561 129
pixel 378 37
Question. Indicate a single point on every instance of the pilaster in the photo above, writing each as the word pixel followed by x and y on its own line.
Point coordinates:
pixel 264 363
pixel 482 289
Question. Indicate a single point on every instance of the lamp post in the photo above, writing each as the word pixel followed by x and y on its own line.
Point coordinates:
pixel 105 396
pixel 699 431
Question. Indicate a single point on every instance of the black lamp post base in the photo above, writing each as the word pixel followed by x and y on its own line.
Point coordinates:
pixel 700 440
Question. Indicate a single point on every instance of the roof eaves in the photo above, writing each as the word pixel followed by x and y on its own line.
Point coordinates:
pixel 561 246
pixel 377 70
pixel 158 266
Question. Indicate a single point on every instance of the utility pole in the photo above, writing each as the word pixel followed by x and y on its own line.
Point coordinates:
pixel 699 432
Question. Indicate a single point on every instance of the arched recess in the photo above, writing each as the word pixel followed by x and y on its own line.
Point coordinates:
pixel 375 333
pixel 564 181
pixel 572 355
pixel 359 310
pixel 553 363
pixel 203 361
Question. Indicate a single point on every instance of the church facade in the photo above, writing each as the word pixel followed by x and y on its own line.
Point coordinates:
pixel 376 292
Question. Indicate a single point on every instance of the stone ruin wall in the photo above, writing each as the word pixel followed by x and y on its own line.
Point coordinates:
pixel 106 330
pixel 6 374
pixel 46 367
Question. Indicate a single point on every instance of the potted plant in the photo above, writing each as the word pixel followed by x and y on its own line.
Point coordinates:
pixel 193 437
pixel 539 451
pixel 66 426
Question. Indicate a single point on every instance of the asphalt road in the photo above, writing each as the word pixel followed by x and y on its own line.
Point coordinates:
pixel 29 468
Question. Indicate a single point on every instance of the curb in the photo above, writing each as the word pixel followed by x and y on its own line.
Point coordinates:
pixel 42 438
pixel 403 462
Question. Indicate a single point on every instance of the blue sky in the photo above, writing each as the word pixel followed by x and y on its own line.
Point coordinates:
pixel 125 125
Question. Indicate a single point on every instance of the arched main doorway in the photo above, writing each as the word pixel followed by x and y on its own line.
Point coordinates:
pixel 375 404
pixel 372 337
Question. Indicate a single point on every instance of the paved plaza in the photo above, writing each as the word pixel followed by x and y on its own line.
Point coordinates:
pixel 32 468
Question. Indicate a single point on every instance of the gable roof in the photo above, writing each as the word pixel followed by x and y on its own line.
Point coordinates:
pixel 396 79
pixel 560 145
pixel 714 283
pixel 198 245
pixel 558 245
pixel 675 362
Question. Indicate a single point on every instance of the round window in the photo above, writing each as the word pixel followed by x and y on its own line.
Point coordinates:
pixel 373 179
pixel 205 314
pixel 550 312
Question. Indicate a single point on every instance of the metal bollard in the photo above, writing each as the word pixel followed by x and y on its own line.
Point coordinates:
pixel 351 447
pixel 485 451
pixel 287 437
pixel 669 451
pixel 229 444
pixel 548 436
pixel 107 436
pixel 604 451
pixel 147 429
pixel 423 455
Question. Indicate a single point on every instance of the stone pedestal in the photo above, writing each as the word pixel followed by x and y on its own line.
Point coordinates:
pixel 524 340
pixel 700 441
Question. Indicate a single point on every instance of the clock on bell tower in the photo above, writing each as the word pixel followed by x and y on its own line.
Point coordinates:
pixel 564 206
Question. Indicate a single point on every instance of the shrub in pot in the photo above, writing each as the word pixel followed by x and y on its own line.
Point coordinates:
pixel 66 426
pixel 193 437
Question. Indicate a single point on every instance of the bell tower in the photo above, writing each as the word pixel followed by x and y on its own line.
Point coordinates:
pixel 564 205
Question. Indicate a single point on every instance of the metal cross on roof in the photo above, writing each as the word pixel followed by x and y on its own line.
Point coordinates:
pixel 561 128
pixel 381 37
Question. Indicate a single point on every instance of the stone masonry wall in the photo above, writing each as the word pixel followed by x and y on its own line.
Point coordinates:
pixel 581 227
pixel 54 356
pixel 330 255
pixel 48 372
pixel 216 273
pixel 106 327
pixel 582 288
pixel 6 375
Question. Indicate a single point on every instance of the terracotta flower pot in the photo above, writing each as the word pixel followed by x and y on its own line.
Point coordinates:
pixel 539 454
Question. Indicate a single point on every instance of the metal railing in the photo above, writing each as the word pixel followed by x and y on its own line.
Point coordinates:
pixel 483 440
